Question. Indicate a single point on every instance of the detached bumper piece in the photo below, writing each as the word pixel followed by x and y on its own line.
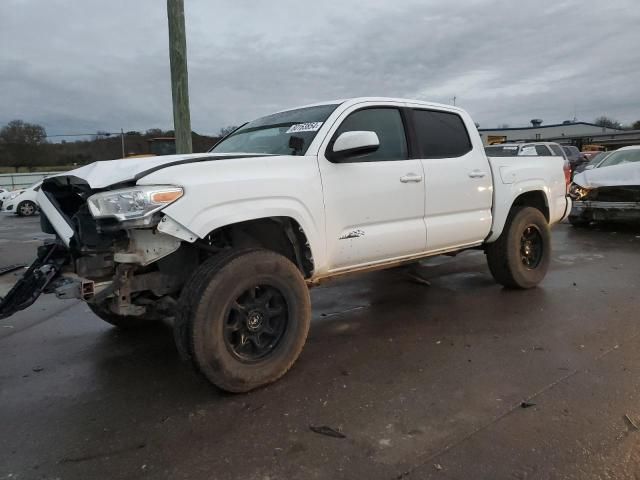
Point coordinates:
pixel 39 275
pixel 11 268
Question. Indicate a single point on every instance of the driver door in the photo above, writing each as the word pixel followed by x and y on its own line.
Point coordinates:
pixel 374 202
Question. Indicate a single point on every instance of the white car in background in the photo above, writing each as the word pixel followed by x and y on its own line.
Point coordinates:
pixel 22 202
pixel 4 194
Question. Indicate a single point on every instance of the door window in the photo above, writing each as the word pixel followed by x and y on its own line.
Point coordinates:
pixel 388 125
pixel 441 134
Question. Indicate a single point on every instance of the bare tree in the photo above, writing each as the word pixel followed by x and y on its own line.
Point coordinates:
pixel 22 144
pixel 224 131
pixel 100 135
pixel 154 132
pixel 607 122
pixel 17 131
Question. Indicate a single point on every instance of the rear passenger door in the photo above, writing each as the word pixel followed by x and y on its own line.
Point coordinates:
pixel 458 179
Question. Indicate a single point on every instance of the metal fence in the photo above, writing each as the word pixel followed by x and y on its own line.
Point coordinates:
pixel 12 181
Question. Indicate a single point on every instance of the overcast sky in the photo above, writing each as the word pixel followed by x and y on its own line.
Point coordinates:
pixel 78 66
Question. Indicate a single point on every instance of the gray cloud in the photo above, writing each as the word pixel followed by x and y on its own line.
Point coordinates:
pixel 83 66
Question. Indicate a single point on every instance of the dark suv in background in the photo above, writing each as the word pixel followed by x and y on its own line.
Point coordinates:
pixel 576 157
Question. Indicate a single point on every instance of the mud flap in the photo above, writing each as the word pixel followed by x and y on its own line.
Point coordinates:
pixel 43 270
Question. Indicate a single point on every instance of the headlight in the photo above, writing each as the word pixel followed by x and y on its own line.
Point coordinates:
pixel 15 194
pixel 132 203
pixel 577 192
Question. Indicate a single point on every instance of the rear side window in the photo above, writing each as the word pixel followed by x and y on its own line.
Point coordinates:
pixel 388 125
pixel 528 150
pixel 543 151
pixel 557 150
pixel 440 134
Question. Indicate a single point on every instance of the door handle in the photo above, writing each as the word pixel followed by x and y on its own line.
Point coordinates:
pixel 411 177
pixel 477 174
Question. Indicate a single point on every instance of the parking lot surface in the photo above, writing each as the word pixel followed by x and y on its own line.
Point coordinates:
pixel 458 379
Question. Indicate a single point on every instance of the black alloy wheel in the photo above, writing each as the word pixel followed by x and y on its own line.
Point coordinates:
pixel 255 323
pixel 531 247
pixel 520 257
pixel 243 318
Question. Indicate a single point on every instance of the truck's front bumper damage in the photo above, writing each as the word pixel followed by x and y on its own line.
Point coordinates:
pixel 124 269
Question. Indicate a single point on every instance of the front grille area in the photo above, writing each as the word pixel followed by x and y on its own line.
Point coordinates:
pixel 625 193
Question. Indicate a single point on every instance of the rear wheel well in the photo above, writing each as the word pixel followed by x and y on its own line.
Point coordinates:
pixel 279 234
pixel 535 199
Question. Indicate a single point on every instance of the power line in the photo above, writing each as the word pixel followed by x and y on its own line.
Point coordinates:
pixel 92 134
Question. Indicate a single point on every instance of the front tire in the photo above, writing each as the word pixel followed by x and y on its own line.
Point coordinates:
pixel 520 257
pixel 243 318
pixel 26 208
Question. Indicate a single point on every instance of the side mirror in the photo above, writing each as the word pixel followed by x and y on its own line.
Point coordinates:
pixel 354 143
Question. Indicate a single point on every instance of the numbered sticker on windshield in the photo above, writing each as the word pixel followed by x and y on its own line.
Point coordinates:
pixel 305 127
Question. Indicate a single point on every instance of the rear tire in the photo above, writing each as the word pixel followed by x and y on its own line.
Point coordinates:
pixel 520 257
pixel 26 208
pixel 243 318
pixel 125 322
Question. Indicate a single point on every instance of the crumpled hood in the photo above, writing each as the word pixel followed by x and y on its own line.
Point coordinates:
pixel 109 172
pixel 616 175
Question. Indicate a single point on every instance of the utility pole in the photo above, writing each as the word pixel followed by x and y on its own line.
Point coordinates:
pixel 122 140
pixel 179 76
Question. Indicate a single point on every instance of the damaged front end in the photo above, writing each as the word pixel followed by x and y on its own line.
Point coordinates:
pixel 606 203
pixel 114 249
pixel 608 192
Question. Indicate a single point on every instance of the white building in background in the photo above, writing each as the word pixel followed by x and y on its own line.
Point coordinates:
pixel 544 132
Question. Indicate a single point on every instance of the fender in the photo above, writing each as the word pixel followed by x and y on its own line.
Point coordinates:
pixel 216 216
pixel 526 174
pixel 223 193
pixel 507 195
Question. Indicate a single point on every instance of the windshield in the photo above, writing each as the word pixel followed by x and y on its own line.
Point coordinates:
pixel 501 150
pixel 284 133
pixel 620 157
pixel 597 158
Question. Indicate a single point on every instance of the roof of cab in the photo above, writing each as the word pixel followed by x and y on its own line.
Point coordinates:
pixel 356 100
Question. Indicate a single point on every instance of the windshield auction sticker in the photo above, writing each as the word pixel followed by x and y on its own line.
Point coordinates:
pixel 305 127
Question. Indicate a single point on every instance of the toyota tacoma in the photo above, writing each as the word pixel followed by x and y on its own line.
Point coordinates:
pixel 227 243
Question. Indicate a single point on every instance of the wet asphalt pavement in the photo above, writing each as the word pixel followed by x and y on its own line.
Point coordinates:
pixel 422 381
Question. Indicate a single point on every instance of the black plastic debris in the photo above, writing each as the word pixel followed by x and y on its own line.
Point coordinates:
pixel 526 404
pixel 11 268
pixel 328 431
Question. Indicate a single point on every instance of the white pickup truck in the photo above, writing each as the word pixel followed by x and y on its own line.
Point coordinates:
pixel 226 243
